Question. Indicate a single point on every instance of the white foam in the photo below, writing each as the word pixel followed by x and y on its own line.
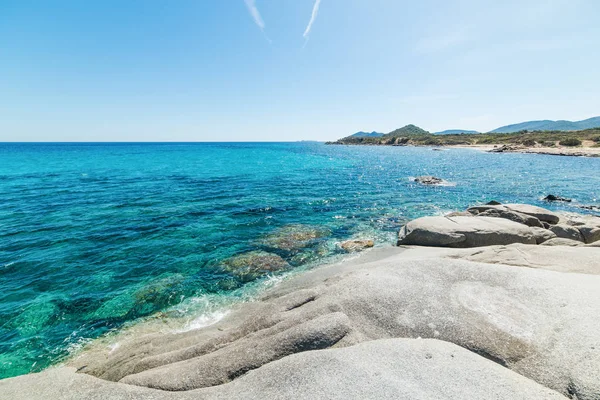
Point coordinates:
pixel 114 347
pixel 204 320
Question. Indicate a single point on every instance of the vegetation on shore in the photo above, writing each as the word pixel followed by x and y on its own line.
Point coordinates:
pixel 413 135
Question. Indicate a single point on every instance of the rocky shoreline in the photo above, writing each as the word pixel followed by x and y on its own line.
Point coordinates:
pixel 498 301
pixel 553 151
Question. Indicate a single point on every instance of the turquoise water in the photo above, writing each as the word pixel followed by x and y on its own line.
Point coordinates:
pixel 94 236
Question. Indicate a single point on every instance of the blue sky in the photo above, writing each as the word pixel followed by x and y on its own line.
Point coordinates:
pixel 242 70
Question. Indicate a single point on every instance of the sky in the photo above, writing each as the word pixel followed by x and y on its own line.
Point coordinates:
pixel 285 70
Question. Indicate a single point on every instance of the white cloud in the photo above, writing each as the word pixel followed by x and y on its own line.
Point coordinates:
pixel 251 4
pixel 313 16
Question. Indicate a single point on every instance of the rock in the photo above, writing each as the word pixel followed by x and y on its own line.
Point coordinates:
pixel 254 264
pixel 497 149
pixel 504 148
pixel 486 207
pixel 533 321
pixel 217 367
pixel 459 214
pixel 552 197
pixel 293 237
pixel 512 215
pixel 464 232
pixel 563 259
pixel 590 234
pixel 493 203
pixel 580 220
pixel 589 207
pixel 540 213
pixel 430 369
pixel 356 245
pixel 541 234
pixel 546 225
pixel 428 180
pixel 567 232
pixel 559 241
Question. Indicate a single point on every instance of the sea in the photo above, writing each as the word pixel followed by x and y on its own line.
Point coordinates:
pixel 97 237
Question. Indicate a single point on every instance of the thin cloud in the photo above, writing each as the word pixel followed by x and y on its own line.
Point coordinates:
pixel 253 10
pixel 251 4
pixel 313 16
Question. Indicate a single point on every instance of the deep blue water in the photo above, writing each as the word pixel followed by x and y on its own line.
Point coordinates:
pixel 93 236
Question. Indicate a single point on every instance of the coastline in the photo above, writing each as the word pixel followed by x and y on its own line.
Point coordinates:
pixel 587 151
pixel 496 300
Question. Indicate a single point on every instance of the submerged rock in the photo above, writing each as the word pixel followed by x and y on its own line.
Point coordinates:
pixel 357 244
pixel 589 207
pixel 294 237
pixel 254 264
pixel 464 232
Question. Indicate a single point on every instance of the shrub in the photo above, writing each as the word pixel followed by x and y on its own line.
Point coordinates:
pixel 570 142
pixel 529 142
pixel 596 139
pixel 431 142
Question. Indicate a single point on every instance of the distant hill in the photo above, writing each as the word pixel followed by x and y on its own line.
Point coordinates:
pixel 366 134
pixel 549 125
pixel 407 130
pixel 455 132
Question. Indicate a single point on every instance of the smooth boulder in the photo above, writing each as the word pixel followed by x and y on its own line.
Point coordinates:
pixel 512 215
pixel 464 232
pixel 559 241
pixel 591 234
pixel 567 232
pixel 542 234
pixel 540 213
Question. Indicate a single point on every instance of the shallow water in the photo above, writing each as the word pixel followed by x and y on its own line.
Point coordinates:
pixel 94 236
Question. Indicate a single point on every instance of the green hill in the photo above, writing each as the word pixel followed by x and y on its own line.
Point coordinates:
pixel 549 125
pixel 407 130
